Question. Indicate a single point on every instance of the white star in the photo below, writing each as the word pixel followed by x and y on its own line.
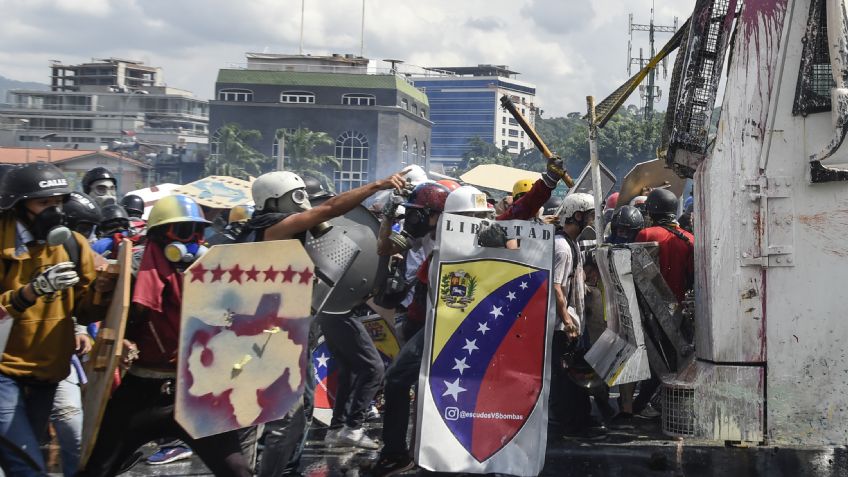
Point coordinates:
pixel 496 311
pixel 322 360
pixel 460 365
pixel 482 328
pixel 510 296
pixel 523 285
pixel 453 389
pixel 470 345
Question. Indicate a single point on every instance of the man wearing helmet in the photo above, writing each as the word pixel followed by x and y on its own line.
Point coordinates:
pixel 569 405
pixel 625 223
pixel 100 184
pixel 42 289
pixel 142 407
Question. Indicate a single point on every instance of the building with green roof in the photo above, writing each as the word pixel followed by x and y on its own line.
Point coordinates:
pixel 380 122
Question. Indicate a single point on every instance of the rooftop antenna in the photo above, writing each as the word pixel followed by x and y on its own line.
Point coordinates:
pixel 650 93
pixel 302 8
pixel 362 33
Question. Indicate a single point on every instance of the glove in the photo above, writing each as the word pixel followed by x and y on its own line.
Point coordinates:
pixel 58 277
pixel 554 172
pixel 491 235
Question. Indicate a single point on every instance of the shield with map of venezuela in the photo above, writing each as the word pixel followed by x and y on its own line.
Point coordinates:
pixel 485 357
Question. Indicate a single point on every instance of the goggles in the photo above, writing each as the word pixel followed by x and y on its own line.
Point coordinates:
pixel 186 231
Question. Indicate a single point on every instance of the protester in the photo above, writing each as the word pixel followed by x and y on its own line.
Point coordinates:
pixel 100 184
pixel 48 277
pixel 625 223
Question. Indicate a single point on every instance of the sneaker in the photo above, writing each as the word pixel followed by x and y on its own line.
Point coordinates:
pixel 372 414
pixel 648 413
pixel 389 465
pixel 166 455
pixel 357 438
pixel 332 435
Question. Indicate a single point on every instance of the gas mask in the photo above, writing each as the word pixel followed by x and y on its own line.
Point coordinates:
pixel 298 201
pixel 49 226
pixel 179 252
pixel 416 225
pixel 104 192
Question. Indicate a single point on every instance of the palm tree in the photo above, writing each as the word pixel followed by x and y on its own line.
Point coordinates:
pixel 300 150
pixel 234 156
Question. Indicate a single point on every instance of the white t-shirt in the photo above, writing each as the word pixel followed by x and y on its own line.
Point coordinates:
pixel 568 273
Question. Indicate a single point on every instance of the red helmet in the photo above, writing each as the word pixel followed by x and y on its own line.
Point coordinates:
pixel 451 185
pixel 429 195
pixel 612 200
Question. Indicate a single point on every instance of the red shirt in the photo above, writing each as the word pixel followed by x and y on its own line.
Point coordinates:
pixel 677 257
pixel 529 204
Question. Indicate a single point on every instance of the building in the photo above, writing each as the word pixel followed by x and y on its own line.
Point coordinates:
pixel 112 104
pixel 75 163
pixel 465 103
pixel 378 120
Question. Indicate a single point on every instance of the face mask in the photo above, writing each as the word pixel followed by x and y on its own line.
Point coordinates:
pixel 104 192
pixel 49 226
pixel 179 252
pixel 295 201
pixel 416 223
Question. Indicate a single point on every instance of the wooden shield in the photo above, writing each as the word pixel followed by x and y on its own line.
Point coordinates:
pixel 104 358
pixel 218 192
pixel 243 336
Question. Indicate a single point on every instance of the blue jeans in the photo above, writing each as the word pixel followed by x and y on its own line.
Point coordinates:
pixel 24 411
pixel 66 418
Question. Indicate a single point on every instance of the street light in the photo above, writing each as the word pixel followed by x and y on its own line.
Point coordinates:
pixel 121 128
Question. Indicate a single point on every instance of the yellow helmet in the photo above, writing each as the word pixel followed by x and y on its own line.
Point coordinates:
pixel 521 187
pixel 173 209
pixel 241 213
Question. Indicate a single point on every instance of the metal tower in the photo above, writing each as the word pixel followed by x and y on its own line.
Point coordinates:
pixel 649 93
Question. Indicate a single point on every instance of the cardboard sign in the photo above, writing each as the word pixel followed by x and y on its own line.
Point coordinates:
pixel 485 372
pixel 326 371
pixel 104 357
pixel 243 336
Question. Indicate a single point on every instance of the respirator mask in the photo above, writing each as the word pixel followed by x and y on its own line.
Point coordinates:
pixel 416 225
pixel 179 252
pixel 185 242
pixel 298 201
pixel 48 227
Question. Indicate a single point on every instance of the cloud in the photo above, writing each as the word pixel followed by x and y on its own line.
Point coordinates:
pixel 567 48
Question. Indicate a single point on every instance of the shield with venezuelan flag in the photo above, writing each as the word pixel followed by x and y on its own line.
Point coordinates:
pixel 485 366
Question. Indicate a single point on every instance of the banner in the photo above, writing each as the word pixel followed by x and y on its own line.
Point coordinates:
pixel 485 372
pixel 243 336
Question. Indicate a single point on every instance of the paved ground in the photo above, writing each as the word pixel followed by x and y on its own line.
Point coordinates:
pixel 642 451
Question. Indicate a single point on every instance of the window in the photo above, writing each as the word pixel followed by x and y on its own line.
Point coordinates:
pixel 503 120
pixel 812 93
pixel 353 99
pixel 404 104
pixel 241 95
pixel 415 109
pixel 414 157
pixel 513 122
pixel 513 144
pixel 423 113
pixel 404 151
pixel 503 131
pixel 423 154
pixel 513 133
pixel 352 153
pixel 302 97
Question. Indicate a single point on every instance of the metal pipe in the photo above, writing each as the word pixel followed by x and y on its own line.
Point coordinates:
pixel 595 165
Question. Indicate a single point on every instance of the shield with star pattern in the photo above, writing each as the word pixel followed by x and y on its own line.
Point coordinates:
pixel 243 336
pixel 485 368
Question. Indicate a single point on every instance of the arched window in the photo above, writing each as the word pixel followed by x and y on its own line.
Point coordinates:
pixel 302 97
pixel 352 153
pixel 404 151
pixel 414 158
pixel 356 99
pixel 233 94
pixel 423 153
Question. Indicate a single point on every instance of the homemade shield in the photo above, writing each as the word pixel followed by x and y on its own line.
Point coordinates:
pixel 243 336
pixel 649 175
pixel 104 357
pixel 485 371
pixel 219 192
pixel 326 371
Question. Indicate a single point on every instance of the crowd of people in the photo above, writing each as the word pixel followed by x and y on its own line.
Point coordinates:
pixel 53 241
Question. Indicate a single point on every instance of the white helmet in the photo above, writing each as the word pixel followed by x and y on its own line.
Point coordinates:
pixel 415 174
pixel 638 200
pixel 273 185
pixel 577 202
pixel 466 199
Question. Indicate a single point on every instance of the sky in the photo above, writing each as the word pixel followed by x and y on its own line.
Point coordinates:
pixel 568 48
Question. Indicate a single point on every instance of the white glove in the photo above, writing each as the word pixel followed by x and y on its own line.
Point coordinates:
pixel 58 277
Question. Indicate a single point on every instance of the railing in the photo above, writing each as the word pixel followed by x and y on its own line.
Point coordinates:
pixel 98 109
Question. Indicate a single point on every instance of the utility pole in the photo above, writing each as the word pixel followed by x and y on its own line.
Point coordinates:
pixel 650 93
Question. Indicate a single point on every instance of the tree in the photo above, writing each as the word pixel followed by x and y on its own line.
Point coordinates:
pixel 483 152
pixel 233 155
pixel 301 151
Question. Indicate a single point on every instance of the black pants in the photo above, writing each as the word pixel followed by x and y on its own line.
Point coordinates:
pixel 359 365
pixel 568 404
pixel 139 412
pixel 401 376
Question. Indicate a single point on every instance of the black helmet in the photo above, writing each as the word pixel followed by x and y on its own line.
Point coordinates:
pixel 96 174
pixel 114 216
pixel 133 204
pixel 32 181
pixel 661 202
pixel 314 188
pixel 552 205
pixel 81 213
pixel 627 217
